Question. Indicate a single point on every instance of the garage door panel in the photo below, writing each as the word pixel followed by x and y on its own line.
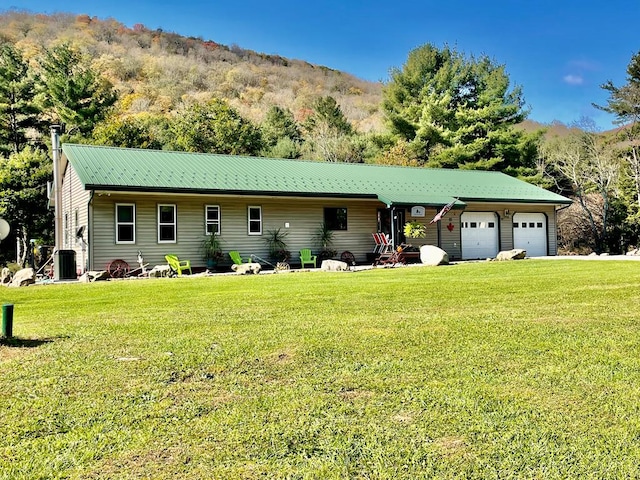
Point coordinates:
pixel 479 235
pixel 530 233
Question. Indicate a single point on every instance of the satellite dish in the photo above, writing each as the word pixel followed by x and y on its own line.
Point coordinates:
pixel 4 229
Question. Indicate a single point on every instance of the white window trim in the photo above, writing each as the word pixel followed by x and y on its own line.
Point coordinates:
pixel 249 207
pixel 127 242
pixel 175 222
pixel 206 220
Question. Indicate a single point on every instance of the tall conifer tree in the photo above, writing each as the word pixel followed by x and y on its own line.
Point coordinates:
pixel 457 111
pixel 73 93
pixel 19 113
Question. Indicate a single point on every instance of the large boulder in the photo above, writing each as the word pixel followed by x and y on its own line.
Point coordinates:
pixel 515 254
pixel 434 256
pixel 24 277
pixel 246 268
pixel 334 266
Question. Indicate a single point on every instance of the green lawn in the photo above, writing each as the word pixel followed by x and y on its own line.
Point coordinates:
pixel 526 369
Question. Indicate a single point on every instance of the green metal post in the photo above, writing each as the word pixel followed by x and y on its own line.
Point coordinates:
pixel 7 320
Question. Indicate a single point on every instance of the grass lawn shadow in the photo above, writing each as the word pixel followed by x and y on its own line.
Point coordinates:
pixel 24 342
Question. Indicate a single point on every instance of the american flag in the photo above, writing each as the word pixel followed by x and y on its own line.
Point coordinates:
pixel 443 212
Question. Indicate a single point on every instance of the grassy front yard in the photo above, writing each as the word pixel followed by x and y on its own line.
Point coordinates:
pixel 527 369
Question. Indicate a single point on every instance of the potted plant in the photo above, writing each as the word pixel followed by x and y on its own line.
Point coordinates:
pixel 324 239
pixel 275 240
pixel 212 250
pixel 415 230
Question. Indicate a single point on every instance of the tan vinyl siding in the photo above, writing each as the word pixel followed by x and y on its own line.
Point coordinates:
pixel 450 240
pixel 552 232
pixel 74 206
pixel 432 230
pixel 303 215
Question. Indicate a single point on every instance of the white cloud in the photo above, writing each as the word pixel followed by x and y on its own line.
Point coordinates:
pixel 572 79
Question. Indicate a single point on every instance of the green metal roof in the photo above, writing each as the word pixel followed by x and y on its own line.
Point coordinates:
pixel 122 169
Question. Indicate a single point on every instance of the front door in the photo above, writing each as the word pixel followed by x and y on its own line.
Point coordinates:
pixel 385 226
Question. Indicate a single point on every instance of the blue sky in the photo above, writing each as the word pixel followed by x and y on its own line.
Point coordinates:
pixel 559 51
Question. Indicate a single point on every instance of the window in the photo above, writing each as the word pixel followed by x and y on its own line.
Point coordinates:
pixel 515 224
pixel 335 218
pixel 492 225
pixel 539 224
pixel 254 216
pixel 166 224
pixel 125 223
pixel 212 219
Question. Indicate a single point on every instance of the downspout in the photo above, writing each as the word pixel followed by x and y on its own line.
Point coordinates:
pixel 88 230
pixel 57 187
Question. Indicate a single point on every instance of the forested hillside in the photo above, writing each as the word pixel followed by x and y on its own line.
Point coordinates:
pixel 160 72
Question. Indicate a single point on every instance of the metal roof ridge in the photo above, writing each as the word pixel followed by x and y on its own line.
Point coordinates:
pixel 286 160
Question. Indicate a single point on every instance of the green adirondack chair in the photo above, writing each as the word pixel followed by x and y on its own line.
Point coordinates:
pixel 235 256
pixel 178 265
pixel 307 258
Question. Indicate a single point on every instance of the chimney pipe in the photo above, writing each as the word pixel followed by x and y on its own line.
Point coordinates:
pixel 57 186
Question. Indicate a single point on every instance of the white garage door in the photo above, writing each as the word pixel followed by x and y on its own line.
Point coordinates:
pixel 479 235
pixel 530 233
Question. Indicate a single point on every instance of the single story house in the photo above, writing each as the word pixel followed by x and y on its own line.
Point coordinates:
pixel 116 202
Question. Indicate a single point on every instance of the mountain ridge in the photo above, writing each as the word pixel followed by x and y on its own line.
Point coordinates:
pixel 160 71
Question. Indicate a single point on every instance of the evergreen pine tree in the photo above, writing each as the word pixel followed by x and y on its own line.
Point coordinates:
pixel 19 113
pixel 72 92
pixel 456 111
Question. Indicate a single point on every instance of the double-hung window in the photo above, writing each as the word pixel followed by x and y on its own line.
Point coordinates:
pixel 212 219
pixel 254 218
pixel 125 223
pixel 167 224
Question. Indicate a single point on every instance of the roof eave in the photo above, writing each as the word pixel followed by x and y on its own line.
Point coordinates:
pixel 209 191
pixel 520 200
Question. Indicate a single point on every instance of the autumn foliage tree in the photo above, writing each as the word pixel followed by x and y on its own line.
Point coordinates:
pixel 139 131
pixel 592 170
pixel 214 127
